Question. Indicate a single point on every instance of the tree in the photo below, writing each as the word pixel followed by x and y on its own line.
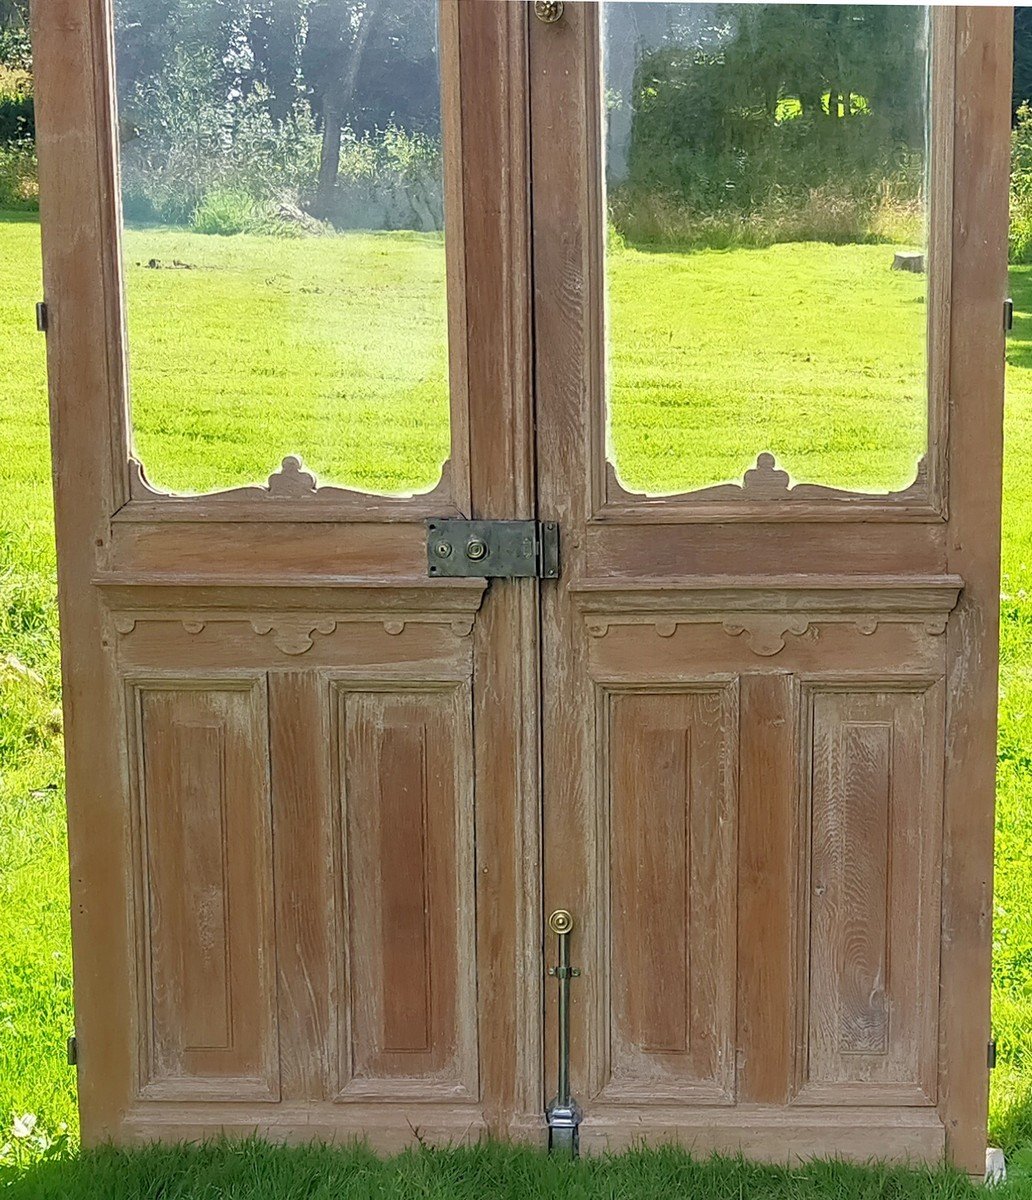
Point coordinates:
pixel 14 14
pixel 341 32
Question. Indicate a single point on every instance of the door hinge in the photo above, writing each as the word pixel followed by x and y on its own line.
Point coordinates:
pixel 42 317
pixel 496 549
pixel 73 1051
pixel 1008 315
pixel 990 1057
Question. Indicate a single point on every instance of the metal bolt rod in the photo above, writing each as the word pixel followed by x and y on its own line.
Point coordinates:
pixel 564 1114
pixel 563 1093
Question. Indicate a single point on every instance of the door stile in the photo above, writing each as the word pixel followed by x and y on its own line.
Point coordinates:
pixel 980 218
pixel 496 200
pixel 561 103
pixel 78 207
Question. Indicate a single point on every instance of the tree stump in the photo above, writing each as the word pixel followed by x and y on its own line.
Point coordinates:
pixel 909 261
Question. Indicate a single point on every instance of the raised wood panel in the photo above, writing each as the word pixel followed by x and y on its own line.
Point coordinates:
pixel 672 768
pixel 206 934
pixel 874 770
pixel 407 1024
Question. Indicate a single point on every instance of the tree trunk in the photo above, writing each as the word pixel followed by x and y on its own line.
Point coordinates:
pixel 335 110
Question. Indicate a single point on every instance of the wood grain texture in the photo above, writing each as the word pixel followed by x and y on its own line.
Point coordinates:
pixel 407 1013
pixel 204 909
pixel 496 183
pixel 870 925
pixel 672 798
pixel 304 866
pixel 982 167
pixel 300 587
pixel 767 885
pixel 80 247
pixel 421 769
pixel 782 594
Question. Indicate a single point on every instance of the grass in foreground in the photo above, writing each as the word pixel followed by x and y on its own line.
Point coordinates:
pixel 35 973
pixel 254 1171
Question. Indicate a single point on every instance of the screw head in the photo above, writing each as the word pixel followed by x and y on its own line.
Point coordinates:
pixel 443 549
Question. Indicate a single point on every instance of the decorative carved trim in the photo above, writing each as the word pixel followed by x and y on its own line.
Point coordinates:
pixel 766 635
pixel 293 635
pixel 766 481
pixel 766 611
pixel 281 496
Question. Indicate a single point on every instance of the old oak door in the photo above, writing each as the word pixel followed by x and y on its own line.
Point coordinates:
pixel 769 667
pixel 313 810
pixel 302 773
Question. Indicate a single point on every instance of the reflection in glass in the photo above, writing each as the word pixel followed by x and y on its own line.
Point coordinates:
pixel 284 247
pixel 766 195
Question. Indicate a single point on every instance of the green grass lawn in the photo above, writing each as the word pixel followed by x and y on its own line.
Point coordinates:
pixel 253 1171
pixel 294 319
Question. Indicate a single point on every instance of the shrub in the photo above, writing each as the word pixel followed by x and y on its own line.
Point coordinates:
pixel 19 180
pixel 181 145
pixel 840 213
pixel 17 119
pixel 1021 187
pixel 389 179
pixel 16 48
pixel 225 211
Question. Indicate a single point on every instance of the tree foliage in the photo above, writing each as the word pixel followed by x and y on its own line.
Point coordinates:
pixel 730 105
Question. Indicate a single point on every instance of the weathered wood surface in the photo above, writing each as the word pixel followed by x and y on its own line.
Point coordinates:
pixel 310 850
pixel 858 634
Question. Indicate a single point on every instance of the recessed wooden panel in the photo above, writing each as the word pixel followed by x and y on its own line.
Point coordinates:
pixel 874 866
pixel 207 968
pixel 407 1023
pixel 672 795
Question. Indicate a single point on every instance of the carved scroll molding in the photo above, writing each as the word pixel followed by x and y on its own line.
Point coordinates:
pixel 766 613
pixel 294 635
pixel 290 493
pixel 292 617
pixel 766 635
pixel 766 492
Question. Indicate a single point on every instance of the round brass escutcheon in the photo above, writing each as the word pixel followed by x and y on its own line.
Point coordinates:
pixel 476 549
pixel 443 549
pixel 548 11
pixel 560 921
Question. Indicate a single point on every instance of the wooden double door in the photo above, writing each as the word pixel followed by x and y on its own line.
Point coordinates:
pixel 322 799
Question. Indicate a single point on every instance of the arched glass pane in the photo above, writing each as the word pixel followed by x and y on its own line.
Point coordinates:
pixel 283 201
pixel 766 191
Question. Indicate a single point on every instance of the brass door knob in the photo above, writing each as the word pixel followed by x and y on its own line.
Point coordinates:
pixel 548 11
pixel 560 921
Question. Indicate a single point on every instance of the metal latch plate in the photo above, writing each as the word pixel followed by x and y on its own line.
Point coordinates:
pixel 457 548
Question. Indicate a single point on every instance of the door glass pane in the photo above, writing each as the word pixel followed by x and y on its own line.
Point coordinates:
pixel 766 267
pixel 284 240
